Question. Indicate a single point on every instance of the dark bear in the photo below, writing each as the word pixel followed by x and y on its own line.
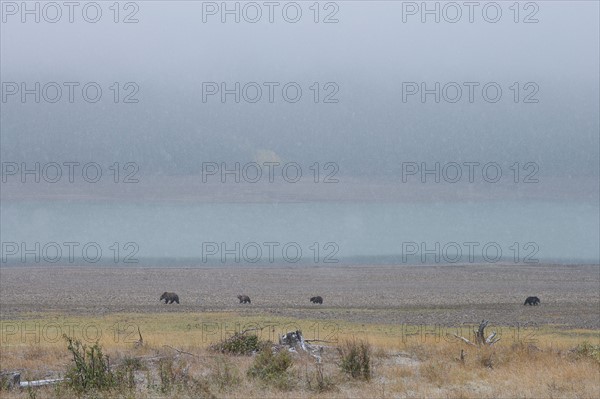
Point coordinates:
pixel 532 300
pixel 316 299
pixel 169 297
pixel 244 298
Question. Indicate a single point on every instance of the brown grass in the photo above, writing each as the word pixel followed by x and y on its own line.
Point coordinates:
pixel 420 366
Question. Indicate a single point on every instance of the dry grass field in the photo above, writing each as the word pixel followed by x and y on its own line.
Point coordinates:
pixel 406 314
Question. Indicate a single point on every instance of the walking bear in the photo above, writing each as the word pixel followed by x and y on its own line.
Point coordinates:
pixel 316 299
pixel 169 297
pixel 244 298
pixel 532 300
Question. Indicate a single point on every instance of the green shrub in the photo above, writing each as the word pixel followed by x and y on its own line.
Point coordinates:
pixel 175 379
pixel 272 368
pixel 356 359
pixel 224 374
pixel 90 370
pixel 4 382
pixel 239 344
pixel 167 375
pixel 125 373
pixel 586 349
pixel 318 381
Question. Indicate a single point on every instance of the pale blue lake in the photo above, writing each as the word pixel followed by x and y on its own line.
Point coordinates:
pixel 563 232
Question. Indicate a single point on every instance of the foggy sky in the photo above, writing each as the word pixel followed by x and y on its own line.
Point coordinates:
pixel 368 54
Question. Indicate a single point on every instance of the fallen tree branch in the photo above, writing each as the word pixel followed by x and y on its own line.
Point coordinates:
pixel 14 381
pixel 319 340
pixel 40 383
pixel 139 342
pixel 490 340
pixel 465 340
pixel 180 351
pixel 480 332
pixel 480 336
pixel 252 329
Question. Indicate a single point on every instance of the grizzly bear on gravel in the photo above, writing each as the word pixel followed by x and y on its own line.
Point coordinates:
pixel 244 298
pixel 316 299
pixel 532 300
pixel 169 297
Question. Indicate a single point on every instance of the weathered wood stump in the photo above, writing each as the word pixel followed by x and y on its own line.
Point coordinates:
pixel 480 338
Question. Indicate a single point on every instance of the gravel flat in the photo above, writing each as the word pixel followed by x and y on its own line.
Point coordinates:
pixel 444 295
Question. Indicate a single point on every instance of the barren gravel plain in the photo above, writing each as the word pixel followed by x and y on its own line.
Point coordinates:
pixel 444 295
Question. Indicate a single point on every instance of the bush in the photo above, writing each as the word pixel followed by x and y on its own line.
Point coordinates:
pixel 91 370
pixel 318 381
pixel 124 375
pixel 4 382
pixel 272 368
pixel 586 349
pixel 356 359
pixel 174 377
pixel 167 374
pixel 434 372
pixel 224 374
pixel 239 344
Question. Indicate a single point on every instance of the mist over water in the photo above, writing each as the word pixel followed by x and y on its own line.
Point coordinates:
pixel 346 232
pixel 365 122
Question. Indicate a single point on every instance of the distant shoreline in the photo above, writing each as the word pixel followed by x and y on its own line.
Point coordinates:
pixel 191 190
pixel 358 262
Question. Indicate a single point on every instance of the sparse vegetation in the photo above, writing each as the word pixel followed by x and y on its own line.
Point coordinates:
pixel 551 368
pixel 225 375
pixel 318 381
pixel 175 378
pixel 90 369
pixel 124 374
pixel 272 368
pixel 239 343
pixel 585 349
pixel 4 382
pixel 356 359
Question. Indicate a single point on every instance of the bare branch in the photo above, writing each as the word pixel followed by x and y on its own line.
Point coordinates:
pixel 465 340
pixel 180 351
pixel 251 329
pixel 140 342
pixel 490 338
pixel 319 340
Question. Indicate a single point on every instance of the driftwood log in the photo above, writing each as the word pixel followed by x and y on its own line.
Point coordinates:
pixel 480 338
pixel 14 381
pixel 295 340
